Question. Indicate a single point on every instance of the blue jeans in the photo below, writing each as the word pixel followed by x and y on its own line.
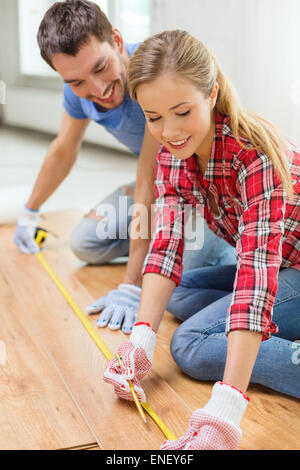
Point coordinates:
pixel 114 246
pixel 199 345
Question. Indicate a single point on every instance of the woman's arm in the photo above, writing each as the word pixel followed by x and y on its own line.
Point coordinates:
pixel 243 345
pixel 156 293
pixel 261 227
pixel 242 350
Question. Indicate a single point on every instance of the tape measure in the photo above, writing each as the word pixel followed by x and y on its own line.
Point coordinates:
pixel 40 238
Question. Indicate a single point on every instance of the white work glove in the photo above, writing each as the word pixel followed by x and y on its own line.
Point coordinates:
pixel 24 236
pixel 118 308
pixel 137 357
pixel 216 426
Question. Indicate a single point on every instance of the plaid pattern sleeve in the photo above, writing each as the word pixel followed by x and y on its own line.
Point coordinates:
pixel 259 248
pixel 166 248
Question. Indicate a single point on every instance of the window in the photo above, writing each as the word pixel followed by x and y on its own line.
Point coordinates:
pixel 131 17
pixel 31 13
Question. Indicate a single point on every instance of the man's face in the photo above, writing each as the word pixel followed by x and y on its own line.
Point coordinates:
pixel 98 72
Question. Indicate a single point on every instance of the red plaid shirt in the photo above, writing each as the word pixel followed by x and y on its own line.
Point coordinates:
pixel 255 216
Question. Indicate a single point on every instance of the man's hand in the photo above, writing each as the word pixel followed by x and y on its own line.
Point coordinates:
pixel 119 308
pixel 137 357
pixel 24 236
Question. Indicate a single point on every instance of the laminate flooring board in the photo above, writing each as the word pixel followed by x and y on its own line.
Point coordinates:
pixel 272 420
pixel 74 275
pixel 36 410
pixel 115 423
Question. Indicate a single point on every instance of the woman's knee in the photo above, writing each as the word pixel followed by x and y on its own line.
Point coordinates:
pixel 199 355
pixel 183 351
pixel 175 307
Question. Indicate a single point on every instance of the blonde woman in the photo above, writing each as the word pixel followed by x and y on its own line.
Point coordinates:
pixel 240 321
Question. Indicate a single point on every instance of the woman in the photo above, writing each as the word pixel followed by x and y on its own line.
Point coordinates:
pixel 237 169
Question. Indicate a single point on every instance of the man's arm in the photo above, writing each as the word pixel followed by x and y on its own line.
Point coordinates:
pixel 59 160
pixel 145 195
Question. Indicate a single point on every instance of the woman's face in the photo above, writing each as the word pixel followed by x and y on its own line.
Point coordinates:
pixel 178 115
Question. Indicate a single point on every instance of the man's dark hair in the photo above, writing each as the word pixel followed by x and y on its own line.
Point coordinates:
pixel 69 25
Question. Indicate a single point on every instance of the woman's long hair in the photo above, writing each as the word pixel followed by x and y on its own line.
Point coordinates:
pixel 181 53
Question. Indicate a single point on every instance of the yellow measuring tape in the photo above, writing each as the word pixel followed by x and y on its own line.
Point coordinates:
pixel 40 239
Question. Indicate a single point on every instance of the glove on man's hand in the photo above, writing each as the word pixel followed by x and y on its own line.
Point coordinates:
pixel 24 236
pixel 118 308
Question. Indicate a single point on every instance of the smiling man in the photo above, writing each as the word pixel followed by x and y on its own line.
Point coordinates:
pixel 77 41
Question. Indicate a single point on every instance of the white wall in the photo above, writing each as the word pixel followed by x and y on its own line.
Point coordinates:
pixel 257 43
pixel 42 110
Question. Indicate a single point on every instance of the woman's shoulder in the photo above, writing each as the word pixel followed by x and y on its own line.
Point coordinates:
pixel 234 151
pixel 224 130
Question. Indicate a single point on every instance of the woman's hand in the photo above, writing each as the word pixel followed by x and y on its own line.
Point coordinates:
pixel 137 356
pixel 217 425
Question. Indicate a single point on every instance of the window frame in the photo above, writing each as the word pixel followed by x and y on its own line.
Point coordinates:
pixel 56 83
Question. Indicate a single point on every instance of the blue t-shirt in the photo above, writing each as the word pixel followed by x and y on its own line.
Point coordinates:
pixel 126 122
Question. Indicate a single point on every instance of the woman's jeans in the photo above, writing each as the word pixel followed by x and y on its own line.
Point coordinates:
pixel 96 246
pixel 199 344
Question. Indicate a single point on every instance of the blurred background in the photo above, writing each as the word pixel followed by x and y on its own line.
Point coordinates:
pixel 256 41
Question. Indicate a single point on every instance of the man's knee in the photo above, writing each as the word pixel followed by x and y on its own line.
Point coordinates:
pixel 101 228
pixel 112 217
pixel 128 191
pixel 85 245
pixel 93 216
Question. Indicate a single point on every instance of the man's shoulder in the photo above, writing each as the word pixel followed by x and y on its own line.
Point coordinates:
pixel 69 94
pixel 131 48
pixel 67 90
pixel 72 103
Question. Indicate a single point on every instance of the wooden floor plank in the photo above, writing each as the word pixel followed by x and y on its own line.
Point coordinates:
pixel 159 391
pixel 35 408
pixel 90 446
pixel 272 420
pixel 100 280
pixel 79 360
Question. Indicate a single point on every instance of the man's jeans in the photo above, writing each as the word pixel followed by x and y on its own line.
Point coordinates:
pixel 88 246
pixel 199 345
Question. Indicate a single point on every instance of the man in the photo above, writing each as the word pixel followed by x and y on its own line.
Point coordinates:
pixel 77 40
